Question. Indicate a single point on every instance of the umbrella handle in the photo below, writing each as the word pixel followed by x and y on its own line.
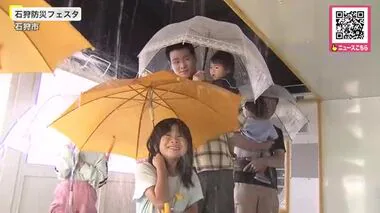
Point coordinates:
pixel 110 149
pixel 151 110
pixel 166 208
pixel 205 59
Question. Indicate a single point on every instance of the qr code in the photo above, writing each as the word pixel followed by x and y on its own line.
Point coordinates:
pixel 350 28
pixel 350 25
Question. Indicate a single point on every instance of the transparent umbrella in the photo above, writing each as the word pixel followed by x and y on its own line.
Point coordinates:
pixel 208 36
pixel 35 121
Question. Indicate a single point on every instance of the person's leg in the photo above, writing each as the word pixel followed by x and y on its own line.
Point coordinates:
pixel 246 198
pixel 84 198
pixel 224 193
pixel 217 187
pixel 203 179
pixel 60 201
pixel 93 198
pixel 268 200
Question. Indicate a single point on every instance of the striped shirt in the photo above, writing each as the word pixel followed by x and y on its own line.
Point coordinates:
pixel 214 155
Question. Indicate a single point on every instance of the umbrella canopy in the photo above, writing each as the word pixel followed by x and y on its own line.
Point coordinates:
pixel 209 35
pixel 287 114
pixel 35 51
pixel 122 113
pixel 35 121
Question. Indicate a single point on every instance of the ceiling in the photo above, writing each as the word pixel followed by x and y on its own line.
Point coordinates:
pixel 142 18
pixel 297 31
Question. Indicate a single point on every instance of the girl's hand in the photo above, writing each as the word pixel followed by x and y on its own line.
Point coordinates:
pixel 159 162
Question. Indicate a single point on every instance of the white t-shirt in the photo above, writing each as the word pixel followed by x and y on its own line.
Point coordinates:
pixel 181 197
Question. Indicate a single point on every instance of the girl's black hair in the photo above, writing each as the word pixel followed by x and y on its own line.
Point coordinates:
pixel 185 164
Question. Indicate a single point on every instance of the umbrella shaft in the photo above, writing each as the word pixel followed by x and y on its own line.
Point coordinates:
pixel 150 103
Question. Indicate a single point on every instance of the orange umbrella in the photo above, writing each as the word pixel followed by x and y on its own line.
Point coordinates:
pixel 122 113
pixel 35 51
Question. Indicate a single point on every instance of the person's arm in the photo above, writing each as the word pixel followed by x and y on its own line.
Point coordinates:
pixel 261 164
pixel 278 149
pixel 151 195
pixel 159 194
pixel 148 186
pixel 231 148
pixel 238 140
pixel 161 187
pixel 275 161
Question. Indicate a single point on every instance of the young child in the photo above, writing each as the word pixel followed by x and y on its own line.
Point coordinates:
pixel 222 67
pixel 168 176
pixel 258 128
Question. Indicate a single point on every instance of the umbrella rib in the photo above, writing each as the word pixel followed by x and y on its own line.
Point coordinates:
pixel 139 128
pixel 154 101
pixel 167 91
pixel 167 107
pixel 132 89
pixel 120 98
pixel 95 99
pixel 178 93
pixel 175 98
pixel 159 104
pixel 27 36
pixel 282 123
pixel 100 123
pixel 176 114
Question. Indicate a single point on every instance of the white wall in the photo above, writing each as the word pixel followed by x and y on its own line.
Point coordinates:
pixel 5 82
pixel 304 180
pixel 21 97
pixel 350 155
pixel 304 195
